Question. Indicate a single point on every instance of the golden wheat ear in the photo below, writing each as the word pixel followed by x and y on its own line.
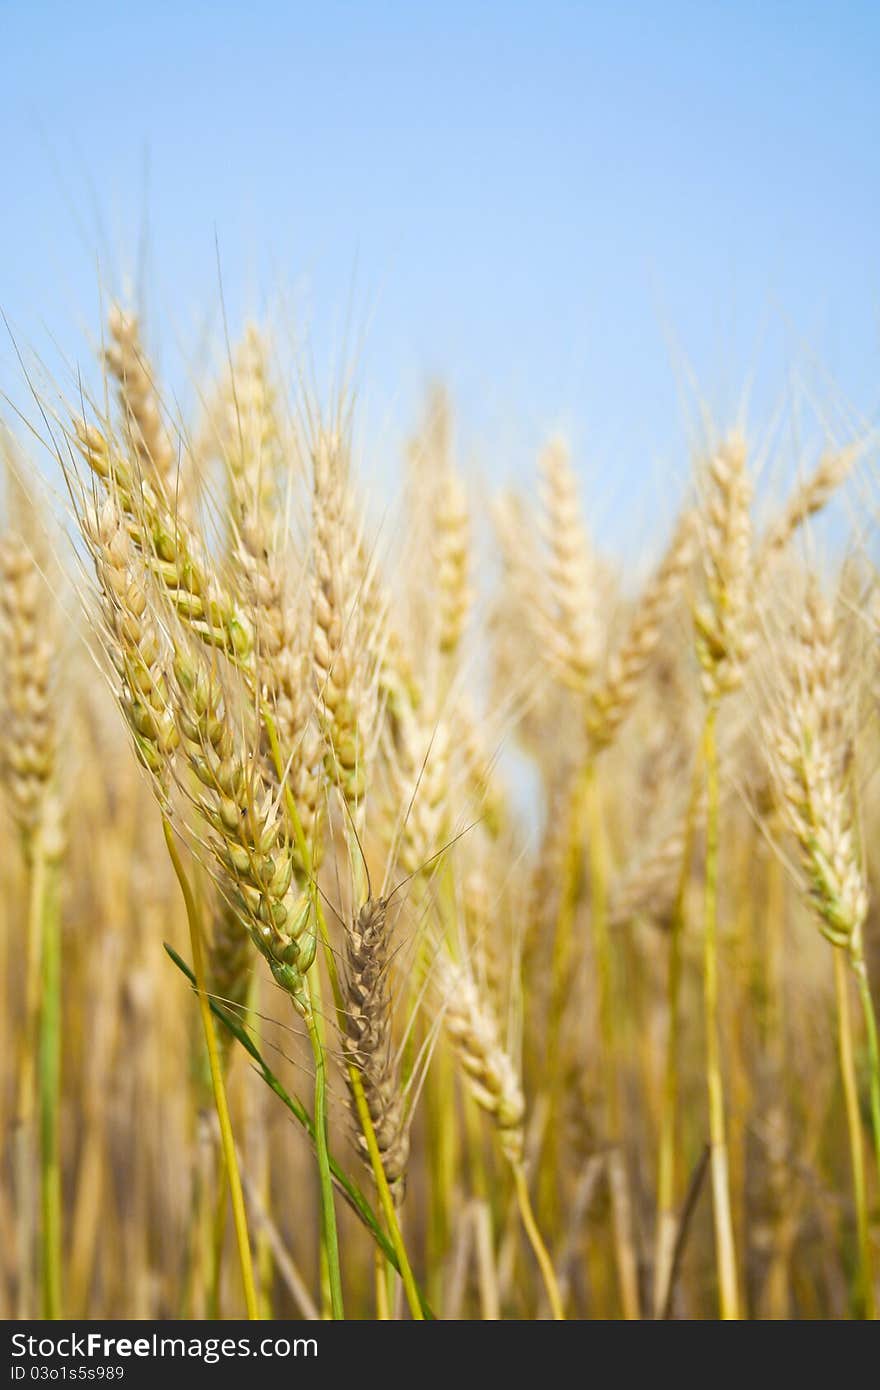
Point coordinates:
pixel 612 701
pixel 570 624
pixel 143 425
pixel 27 742
pixel 808 742
pixel 722 618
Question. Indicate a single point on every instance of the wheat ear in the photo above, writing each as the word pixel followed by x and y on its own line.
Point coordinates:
pixel 721 619
pixel 494 1085
pixel 169 546
pixel 250 838
pixel 808 746
pixel 809 752
pixel 132 638
pixel 144 429
pixel 28 756
pixel 343 647
pixel 368 1039
pixel 809 497
pixel 27 726
pixel 452 561
pixel 570 620
pixel 611 702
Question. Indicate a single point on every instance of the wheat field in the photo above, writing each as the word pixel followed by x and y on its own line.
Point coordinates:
pixel 410 907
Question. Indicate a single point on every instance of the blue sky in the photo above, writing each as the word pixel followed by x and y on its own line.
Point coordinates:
pixel 560 208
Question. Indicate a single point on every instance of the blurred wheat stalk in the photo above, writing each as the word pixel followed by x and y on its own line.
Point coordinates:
pixel 513 1039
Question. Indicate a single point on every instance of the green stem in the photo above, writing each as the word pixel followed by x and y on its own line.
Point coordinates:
pixel 725 1249
pixel 230 1160
pixel 218 1237
pixel 322 1149
pixel 25 1197
pixel 316 1009
pixel 563 941
pixel 385 1198
pixel 621 1211
pixel 44 887
pixel 550 1059
pixel 352 1193
pixel 870 1017
pixel 667 1221
pixel 265 1258
pixel 851 1099
pixel 776 1295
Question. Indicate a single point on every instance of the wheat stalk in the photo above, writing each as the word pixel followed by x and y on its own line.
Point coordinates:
pixel 724 640
pixel 809 746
